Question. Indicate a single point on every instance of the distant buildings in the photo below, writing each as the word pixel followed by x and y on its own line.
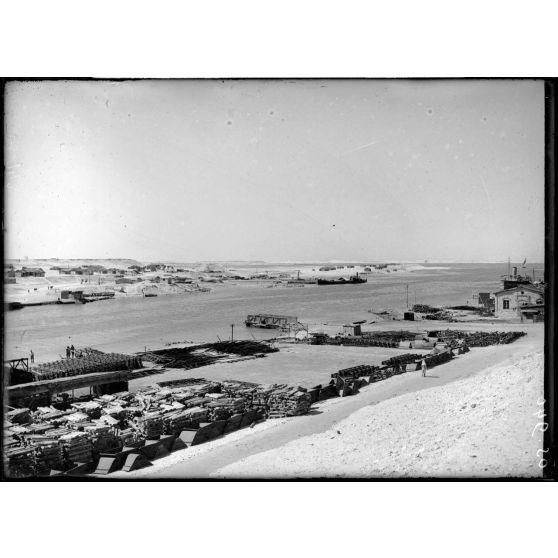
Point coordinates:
pixel 30 272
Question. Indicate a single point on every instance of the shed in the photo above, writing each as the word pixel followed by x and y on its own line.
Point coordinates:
pixel 353 330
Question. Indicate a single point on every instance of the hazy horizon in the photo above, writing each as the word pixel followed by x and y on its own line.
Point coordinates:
pixel 276 170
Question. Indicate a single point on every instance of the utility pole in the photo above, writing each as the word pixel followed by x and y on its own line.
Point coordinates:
pixel 407 297
pixel 232 332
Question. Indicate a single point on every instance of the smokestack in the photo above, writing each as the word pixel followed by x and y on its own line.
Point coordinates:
pixel 514 272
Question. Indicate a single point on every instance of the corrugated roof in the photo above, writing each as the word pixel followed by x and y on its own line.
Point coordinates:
pixel 531 288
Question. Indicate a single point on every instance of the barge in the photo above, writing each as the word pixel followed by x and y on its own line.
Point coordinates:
pixel 270 321
pixel 354 280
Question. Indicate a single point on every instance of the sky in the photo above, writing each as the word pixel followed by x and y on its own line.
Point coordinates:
pixel 275 170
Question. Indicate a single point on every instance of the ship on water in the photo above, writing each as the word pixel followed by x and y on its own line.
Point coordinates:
pixel 355 279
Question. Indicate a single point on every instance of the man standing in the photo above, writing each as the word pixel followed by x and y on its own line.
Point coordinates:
pixel 32 356
pixel 72 351
pixel 423 366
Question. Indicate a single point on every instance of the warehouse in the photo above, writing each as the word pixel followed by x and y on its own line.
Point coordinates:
pixel 511 303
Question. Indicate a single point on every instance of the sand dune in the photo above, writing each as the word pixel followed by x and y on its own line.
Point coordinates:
pixel 481 427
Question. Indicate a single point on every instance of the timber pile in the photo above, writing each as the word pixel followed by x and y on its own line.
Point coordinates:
pixel 402 359
pixel 426 309
pixel 221 409
pixel 442 315
pixel 150 425
pixel 396 336
pixel 436 359
pixel 91 408
pixel 364 341
pixel 288 402
pixel 76 448
pixel 19 416
pixel 202 355
pixel 87 364
pixel 480 338
pixel 103 438
pixel 174 423
pixel 243 348
pixel 20 462
pixel 48 455
pixel 354 371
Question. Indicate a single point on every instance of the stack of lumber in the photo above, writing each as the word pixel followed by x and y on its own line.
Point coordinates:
pixel 402 359
pixel 195 402
pixel 480 338
pixel 20 462
pixel 76 448
pixel 288 402
pixel 354 371
pixel 425 309
pixel 221 409
pixel 380 374
pixel 102 437
pixel 436 359
pixel 91 408
pixel 19 416
pixel 76 418
pixel 129 437
pixel 174 423
pixel 48 455
pixel 197 414
pixel 150 425
pixel 87 364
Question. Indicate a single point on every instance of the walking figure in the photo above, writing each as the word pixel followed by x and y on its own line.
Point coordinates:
pixel 32 356
pixel 67 352
pixel 72 351
pixel 423 366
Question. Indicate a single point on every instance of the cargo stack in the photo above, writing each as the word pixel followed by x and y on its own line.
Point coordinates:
pixel 20 462
pixel 174 423
pixel 150 425
pixel 76 448
pixel 103 438
pixel 222 409
pixel 288 402
pixel 48 455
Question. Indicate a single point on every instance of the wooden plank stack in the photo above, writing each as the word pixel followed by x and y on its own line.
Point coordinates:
pixel 76 448
pixel 48 455
pixel 175 422
pixel 221 409
pixel 19 416
pixel 288 402
pixel 103 438
pixel 20 462
pixel 150 425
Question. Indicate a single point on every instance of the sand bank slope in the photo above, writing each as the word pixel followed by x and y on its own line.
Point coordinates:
pixel 481 426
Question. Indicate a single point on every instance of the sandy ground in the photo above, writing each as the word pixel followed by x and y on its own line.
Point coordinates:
pixel 214 457
pixel 302 365
pixel 477 427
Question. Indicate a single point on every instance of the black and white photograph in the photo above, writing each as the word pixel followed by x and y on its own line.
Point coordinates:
pixel 283 278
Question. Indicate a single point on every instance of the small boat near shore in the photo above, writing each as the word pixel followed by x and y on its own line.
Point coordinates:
pixel 354 280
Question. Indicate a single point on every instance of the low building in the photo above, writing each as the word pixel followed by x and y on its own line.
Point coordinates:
pixel 521 302
pixel 32 272
pixel 352 330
